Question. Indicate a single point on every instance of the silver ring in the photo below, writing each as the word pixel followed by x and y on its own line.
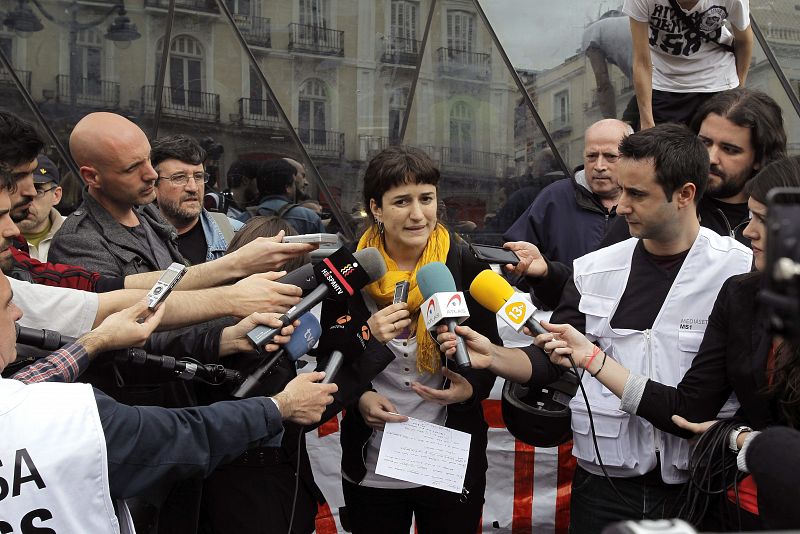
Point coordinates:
pixel 394 327
pixel 548 352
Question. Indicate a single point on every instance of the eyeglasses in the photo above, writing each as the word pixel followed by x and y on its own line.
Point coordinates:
pixel 40 192
pixel 181 179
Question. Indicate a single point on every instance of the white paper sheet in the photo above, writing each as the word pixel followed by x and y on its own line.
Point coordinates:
pixel 424 453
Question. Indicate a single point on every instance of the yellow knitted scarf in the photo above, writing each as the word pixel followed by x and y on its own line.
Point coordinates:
pixel 382 290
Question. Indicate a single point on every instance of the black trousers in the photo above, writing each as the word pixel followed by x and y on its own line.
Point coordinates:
pixel 252 499
pixel 594 505
pixel 389 511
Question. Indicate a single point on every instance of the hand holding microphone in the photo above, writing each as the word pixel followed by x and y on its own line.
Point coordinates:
pixel 442 304
pixel 303 400
pixel 339 275
pixel 495 294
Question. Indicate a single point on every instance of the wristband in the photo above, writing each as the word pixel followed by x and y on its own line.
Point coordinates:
pixel 601 366
pixel 595 352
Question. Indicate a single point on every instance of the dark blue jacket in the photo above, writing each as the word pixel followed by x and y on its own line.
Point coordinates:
pixel 565 221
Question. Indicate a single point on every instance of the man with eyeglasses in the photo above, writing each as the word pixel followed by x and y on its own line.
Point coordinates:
pixel 43 220
pixel 202 236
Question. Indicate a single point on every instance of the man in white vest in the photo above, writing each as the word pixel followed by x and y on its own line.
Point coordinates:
pixel 646 302
pixel 68 449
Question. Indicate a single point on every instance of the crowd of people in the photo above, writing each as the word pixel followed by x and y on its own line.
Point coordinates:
pixel 651 258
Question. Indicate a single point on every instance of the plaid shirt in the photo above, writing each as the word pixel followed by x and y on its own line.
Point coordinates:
pixel 63 365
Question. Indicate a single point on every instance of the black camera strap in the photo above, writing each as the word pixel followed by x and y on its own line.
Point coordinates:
pixel 689 23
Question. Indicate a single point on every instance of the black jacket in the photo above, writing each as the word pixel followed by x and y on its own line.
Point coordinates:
pixel 732 357
pixel 466 417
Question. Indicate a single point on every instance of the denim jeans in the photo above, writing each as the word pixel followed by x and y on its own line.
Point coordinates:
pixel 595 505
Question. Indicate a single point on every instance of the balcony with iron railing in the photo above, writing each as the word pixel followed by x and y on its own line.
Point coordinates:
pixel 369 145
pixel 315 40
pixel 401 51
pixel 182 103
pixel 259 113
pixel 322 143
pixel 206 6
pixel 466 160
pixel 464 64
pixel 7 81
pixel 89 92
pixel 561 124
pixel 256 30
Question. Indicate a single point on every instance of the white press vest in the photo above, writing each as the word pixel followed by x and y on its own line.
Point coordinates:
pixel 54 471
pixel 663 353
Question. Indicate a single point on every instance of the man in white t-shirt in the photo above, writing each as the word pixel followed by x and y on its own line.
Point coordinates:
pixel 684 53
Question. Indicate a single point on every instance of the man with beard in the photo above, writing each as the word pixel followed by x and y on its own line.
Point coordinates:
pixel 116 230
pixel 202 236
pixel 743 131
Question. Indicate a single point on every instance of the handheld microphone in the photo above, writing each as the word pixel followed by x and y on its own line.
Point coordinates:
pixel 302 277
pixel 495 294
pixel 443 304
pixel 333 366
pixel 41 338
pixel 186 370
pixel 339 276
pixel 303 339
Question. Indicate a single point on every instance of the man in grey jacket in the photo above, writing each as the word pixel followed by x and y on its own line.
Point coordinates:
pixel 116 230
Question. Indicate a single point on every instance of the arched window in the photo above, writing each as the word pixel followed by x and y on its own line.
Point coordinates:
pixel 89 57
pixel 460 30
pixel 185 70
pixel 462 126
pixel 397 112
pixel 312 112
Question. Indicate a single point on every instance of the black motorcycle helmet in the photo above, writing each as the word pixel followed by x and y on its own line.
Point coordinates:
pixel 540 417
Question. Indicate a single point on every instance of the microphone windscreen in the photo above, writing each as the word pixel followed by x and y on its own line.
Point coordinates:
pixel 435 277
pixel 370 260
pixel 304 337
pixel 490 290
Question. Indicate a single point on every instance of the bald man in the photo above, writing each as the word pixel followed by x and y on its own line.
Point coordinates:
pixel 569 218
pixel 117 230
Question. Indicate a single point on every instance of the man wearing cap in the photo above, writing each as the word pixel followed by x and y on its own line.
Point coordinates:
pixel 43 220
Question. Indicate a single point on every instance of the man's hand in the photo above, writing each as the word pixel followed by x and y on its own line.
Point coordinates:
pixel 261 293
pixel 266 254
pixel 303 401
pixel 126 328
pixel 531 262
pixel 388 323
pixel 459 389
pixel 234 338
pixel 479 347
pixel 377 410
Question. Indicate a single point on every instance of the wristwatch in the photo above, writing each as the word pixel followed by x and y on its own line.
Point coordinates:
pixel 735 436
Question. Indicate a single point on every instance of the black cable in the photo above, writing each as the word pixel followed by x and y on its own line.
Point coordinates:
pixel 712 470
pixel 296 477
pixel 646 513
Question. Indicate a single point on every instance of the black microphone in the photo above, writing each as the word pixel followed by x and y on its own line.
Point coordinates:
pixel 303 339
pixel 302 277
pixel 340 275
pixel 334 363
pixel 435 278
pixel 52 340
pixel 42 338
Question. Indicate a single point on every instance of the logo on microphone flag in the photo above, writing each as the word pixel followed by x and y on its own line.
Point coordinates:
pixel 444 305
pixel 516 312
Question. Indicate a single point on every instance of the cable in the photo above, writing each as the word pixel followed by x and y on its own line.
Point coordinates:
pixel 712 470
pixel 646 513
pixel 296 477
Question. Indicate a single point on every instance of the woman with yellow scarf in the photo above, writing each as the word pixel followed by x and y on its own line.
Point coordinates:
pixel 400 188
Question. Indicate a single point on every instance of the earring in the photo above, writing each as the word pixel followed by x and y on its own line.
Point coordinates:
pixel 380 225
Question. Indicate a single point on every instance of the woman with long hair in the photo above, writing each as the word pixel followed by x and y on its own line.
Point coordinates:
pixel 738 354
pixel 400 189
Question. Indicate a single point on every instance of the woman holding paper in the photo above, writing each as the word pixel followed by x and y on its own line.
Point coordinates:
pixel 400 188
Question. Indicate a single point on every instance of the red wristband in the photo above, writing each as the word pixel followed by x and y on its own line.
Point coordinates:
pixel 595 352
